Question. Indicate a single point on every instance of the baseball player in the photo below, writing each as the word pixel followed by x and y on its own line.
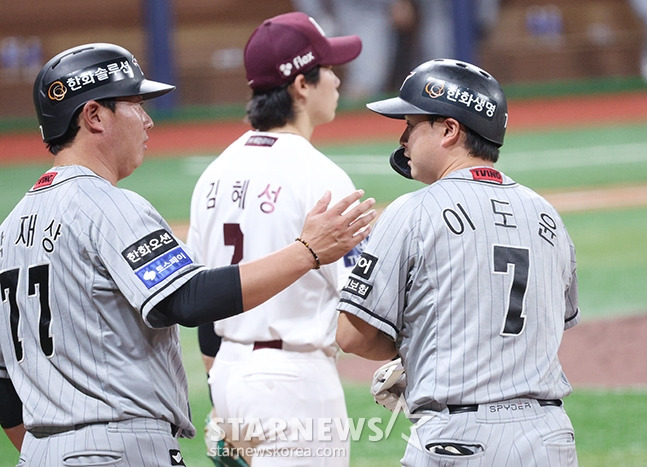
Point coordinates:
pixel 470 281
pixel 278 361
pixel 93 282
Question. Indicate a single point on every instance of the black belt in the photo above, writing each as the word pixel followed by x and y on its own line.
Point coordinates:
pixel 275 344
pixel 474 407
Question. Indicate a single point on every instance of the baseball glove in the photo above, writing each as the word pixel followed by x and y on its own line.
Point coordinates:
pixel 389 382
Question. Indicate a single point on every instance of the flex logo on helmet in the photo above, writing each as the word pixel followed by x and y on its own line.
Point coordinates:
pixel 56 91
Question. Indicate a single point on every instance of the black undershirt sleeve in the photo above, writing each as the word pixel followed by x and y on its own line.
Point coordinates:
pixel 208 340
pixel 210 295
pixel 10 405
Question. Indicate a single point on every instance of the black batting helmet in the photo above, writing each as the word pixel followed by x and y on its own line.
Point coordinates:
pixel 448 88
pixel 84 73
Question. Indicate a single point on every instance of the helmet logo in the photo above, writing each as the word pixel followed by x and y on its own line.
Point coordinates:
pixel 136 63
pixel 56 91
pixel 406 79
pixel 435 89
pixel 461 97
pixel 91 77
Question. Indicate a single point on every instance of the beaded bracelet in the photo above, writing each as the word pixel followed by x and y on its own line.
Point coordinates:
pixel 314 255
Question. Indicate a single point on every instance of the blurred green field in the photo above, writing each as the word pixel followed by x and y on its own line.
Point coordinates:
pixel 612 259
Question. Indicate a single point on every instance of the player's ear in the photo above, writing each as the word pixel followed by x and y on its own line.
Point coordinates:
pixel 299 86
pixel 91 116
pixel 451 131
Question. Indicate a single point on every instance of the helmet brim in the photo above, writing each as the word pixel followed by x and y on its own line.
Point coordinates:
pixel 150 89
pixel 395 108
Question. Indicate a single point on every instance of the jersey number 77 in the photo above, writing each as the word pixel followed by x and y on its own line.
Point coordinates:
pixel 38 278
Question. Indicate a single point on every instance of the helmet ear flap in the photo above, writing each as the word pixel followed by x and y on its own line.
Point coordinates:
pixel 400 163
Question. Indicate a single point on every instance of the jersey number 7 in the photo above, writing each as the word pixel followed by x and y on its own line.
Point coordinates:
pixel 508 259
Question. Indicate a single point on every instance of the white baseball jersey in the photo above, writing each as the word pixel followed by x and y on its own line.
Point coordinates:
pixel 251 201
pixel 474 278
pixel 82 264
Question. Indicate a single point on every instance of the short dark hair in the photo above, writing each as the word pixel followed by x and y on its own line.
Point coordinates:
pixel 475 144
pixel 57 144
pixel 480 147
pixel 274 108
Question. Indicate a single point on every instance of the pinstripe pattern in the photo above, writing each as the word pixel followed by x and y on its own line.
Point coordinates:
pixel 542 439
pixel 106 363
pixel 475 281
pixel 140 442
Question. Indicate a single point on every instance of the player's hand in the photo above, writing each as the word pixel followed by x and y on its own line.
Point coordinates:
pixel 333 232
pixel 389 383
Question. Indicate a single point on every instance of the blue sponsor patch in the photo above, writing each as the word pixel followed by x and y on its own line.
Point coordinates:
pixel 350 258
pixel 163 266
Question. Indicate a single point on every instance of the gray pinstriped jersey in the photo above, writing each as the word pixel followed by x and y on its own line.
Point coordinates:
pixel 474 278
pixel 82 263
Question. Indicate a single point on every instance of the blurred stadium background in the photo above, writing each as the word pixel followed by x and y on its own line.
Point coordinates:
pixel 590 48
pixel 198 44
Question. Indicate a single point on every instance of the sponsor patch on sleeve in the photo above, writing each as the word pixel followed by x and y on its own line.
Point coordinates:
pixel 357 287
pixel 163 266
pixel 148 248
pixel 351 258
pixel 45 180
pixel 364 266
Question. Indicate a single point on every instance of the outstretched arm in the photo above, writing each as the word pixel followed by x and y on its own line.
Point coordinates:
pixel 330 233
pixel 219 293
